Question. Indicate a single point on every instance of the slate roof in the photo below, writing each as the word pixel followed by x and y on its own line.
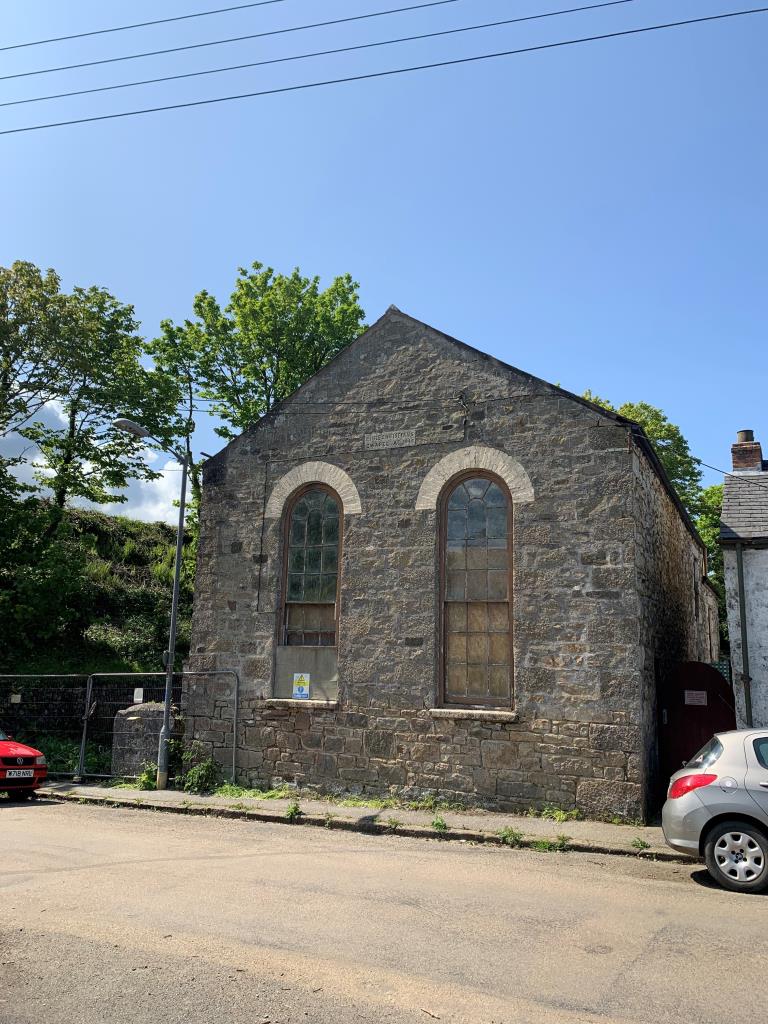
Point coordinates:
pixel 745 507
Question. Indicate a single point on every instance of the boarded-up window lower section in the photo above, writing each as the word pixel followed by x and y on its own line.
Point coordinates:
pixel 477 651
pixel 310 625
pixel 476 607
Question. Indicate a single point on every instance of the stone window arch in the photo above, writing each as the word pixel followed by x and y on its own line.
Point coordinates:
pixel 314 472
pixel 475 572
pixel 480 457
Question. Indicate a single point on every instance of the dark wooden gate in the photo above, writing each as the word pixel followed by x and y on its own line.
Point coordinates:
pixel 695 703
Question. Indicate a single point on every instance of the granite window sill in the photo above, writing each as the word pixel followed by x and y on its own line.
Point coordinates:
pixel 290 702
pixel 475 714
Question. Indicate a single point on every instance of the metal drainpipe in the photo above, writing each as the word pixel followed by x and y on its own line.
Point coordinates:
pixel 745 676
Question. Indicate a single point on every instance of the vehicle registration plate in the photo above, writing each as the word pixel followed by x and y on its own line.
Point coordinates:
pixel 20 773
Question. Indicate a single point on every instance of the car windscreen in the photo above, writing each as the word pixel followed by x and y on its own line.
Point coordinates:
pixel 708 754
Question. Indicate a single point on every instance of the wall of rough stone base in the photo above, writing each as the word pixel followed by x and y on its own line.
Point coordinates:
pixel 413 754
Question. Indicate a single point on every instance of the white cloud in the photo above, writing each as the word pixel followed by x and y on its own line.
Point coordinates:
pixel 147 500
pixel 57 409
pixel 151 501
pixel 39 467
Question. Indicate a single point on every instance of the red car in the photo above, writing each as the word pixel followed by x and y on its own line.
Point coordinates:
pixel 22 768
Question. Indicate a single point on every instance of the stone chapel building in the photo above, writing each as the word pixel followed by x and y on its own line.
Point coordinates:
pixel 438 574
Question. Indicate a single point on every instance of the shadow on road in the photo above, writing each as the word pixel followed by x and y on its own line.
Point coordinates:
pixel 39 801
pixel 706 881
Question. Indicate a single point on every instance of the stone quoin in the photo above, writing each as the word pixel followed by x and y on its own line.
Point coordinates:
pixel 484 578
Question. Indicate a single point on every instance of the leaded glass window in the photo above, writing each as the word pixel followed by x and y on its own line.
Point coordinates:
pixel 476 598
pixel 311 583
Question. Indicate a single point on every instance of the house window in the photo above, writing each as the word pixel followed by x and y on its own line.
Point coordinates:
pixel 312 546
pixel 475 543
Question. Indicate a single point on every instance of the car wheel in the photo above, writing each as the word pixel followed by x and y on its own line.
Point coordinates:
pixel 737 856
pixel 22 794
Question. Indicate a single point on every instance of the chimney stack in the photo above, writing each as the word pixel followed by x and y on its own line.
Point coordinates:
pixel 747 453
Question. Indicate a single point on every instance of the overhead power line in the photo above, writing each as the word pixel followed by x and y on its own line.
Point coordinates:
pixel 232 39
pixel 141 24
pixel 390 73
pixel 740 476
pixel 317 53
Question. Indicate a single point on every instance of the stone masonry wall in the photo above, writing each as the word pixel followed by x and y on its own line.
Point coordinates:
pixel 678 616
pixel 412 754
pixel 574 734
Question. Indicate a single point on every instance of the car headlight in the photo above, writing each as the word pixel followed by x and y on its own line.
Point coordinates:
pixel 40 760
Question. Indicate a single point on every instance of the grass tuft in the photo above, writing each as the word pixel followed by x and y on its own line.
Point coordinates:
pixel 510 836
pixel 293 812
pixel 559 845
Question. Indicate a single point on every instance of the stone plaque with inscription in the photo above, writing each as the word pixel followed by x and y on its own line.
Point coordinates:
pixel 391 439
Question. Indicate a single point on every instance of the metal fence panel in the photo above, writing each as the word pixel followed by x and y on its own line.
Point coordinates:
pixel 46 711
pixel 110 694
pixel 72 718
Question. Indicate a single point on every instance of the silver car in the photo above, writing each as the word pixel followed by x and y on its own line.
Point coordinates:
pixel 717 808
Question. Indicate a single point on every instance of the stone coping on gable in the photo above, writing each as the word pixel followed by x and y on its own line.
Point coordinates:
pixel 478 714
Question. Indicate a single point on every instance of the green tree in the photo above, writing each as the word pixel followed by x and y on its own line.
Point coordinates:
pixel 101 377
pixel 80 589
pixel 237 362
pixel 41 584
pixel 31 308
pixel 276 331
pixel 176 356
pixel 707 518
pixel 668 443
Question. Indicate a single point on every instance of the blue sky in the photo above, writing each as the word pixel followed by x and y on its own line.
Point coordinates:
pixel 595 215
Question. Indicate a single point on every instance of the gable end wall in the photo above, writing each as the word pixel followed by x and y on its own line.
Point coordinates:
pixel 576 737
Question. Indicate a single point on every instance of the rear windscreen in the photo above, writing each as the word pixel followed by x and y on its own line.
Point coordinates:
pixel 708 754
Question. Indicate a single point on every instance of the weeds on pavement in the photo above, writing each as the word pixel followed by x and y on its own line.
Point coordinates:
pixel 293 812
pixel 510 836
pixel 559 845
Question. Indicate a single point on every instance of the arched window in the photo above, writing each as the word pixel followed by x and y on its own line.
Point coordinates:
pixel 312 549
pixel 475 583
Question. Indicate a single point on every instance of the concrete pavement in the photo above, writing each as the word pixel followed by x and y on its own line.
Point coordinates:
pixel 473 825
pixel 112 916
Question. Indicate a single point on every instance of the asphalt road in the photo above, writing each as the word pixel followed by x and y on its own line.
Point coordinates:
pixel 113 916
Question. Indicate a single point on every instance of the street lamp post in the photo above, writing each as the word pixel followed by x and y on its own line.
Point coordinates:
pixel 130 427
